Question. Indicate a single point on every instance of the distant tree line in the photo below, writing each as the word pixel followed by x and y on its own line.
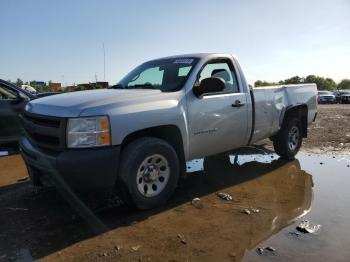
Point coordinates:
pixel 321 82
pixel 39 86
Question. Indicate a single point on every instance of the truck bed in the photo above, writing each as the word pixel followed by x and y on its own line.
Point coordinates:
pixel 272 101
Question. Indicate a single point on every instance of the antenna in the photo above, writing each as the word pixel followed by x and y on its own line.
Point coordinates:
pixel 104 62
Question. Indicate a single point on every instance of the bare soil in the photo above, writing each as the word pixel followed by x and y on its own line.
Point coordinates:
pixel 331 130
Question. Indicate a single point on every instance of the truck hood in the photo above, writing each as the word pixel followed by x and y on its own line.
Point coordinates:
pixel 73 104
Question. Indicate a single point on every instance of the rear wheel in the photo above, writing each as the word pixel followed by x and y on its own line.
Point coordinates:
pixel 149 173
pixel 288 140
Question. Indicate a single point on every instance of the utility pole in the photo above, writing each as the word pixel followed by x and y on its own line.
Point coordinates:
pixel 104 62
pixel 62 76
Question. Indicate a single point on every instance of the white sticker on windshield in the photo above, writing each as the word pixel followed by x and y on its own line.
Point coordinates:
pixel 183 61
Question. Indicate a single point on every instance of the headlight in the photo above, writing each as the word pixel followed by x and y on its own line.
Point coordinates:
pixel 88 132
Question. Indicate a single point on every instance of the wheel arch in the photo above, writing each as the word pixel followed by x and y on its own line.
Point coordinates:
pixel 299 111
pixel 169 133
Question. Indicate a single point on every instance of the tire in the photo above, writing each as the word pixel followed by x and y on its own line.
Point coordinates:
pixel 148 173
pixel 289 139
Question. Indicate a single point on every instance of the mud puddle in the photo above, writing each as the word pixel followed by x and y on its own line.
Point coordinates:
pixel 269 199
pixel 329 208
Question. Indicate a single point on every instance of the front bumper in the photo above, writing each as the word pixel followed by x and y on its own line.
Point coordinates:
pixel 327 101
pixel 79 170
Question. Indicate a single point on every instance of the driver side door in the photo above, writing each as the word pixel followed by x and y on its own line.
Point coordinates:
pixel 11 105
pixel 218 121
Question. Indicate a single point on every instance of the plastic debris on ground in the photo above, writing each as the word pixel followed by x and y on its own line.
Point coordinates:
pixel 182 238
pixel 307 227
pixel 224 196
pixel 266 250
pixel 135 248
pixel 249 211
pixel 196 202
pixel 246 211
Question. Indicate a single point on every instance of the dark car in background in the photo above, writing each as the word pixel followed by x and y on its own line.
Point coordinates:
pixel 336 93
pixel 343 96
pixel 12 102
pixel 326 97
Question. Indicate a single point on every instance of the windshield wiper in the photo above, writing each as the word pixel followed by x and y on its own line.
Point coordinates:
pixel 139 86
pixel 143 86
pixel 117 86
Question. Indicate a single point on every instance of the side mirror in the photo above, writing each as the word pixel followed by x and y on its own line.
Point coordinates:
pixel 22 97
pixel 209 85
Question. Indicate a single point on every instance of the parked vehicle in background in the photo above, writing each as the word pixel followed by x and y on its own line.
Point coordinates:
pixel 138 136
pixel 344 96
pixel 336 93
pixel 12 102
pixel 326 97
pixel 28 88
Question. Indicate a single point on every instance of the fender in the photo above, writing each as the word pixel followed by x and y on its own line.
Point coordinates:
pixel 299 110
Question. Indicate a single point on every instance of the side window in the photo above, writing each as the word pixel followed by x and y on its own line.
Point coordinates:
pixel 153 76
pixel 7 94
pixel 183 71
pixel 222 70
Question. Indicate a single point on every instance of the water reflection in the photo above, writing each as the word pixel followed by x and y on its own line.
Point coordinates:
pixel 281 190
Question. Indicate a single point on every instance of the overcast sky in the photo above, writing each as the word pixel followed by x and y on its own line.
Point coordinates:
pixel 273 39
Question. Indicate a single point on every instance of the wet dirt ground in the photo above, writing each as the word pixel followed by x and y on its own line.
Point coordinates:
pixel 42 225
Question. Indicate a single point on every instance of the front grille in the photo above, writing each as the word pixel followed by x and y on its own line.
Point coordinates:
pixel 46 132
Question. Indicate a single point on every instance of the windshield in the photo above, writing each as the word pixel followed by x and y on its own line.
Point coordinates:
pixel 164 74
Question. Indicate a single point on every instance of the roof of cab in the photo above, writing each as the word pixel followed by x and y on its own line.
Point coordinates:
pixel 194 55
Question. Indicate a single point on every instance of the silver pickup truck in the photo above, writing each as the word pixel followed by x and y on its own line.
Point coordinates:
pixel 137 136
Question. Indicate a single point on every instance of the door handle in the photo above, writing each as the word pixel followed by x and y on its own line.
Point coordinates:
pixel 237 104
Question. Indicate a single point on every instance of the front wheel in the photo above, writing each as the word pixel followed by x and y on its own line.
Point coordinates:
pixel 288 140
pixel 149 172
